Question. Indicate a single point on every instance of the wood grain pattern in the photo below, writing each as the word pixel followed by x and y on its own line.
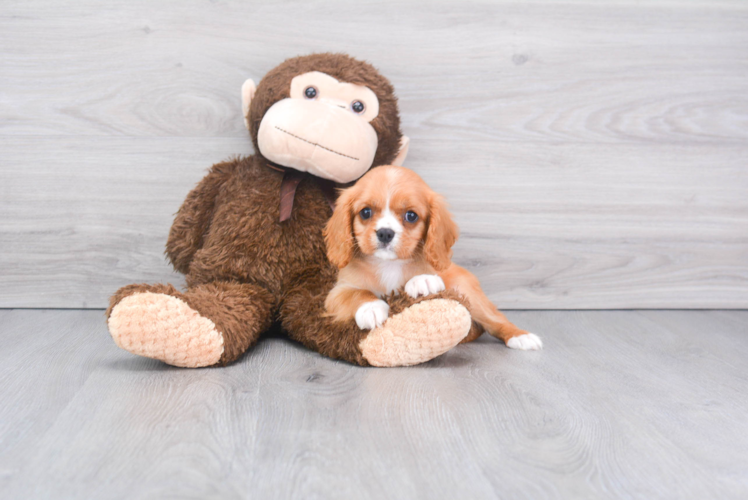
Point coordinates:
pixel 594 155
pixel 620 404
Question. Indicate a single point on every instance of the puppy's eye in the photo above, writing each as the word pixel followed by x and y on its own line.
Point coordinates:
pixel 365 213
pixel 411 216
pixel 358 107
pixel 310 92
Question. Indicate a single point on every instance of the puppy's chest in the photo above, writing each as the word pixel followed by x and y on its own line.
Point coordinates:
pixel 392 274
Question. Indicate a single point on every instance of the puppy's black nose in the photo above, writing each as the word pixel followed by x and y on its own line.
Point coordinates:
pixel 385 235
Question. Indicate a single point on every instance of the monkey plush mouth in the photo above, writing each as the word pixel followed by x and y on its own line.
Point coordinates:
pixel 315 144
pixel 317 137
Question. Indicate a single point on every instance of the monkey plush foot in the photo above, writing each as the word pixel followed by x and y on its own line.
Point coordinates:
pixel 164 327
pixel 417 334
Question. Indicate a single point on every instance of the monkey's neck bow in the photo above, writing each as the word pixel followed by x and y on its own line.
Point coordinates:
pixel 291 180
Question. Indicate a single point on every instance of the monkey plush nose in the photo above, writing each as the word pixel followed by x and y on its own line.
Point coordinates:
pixel 385 235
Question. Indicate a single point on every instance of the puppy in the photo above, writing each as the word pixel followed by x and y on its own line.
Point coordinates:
pixel 391 230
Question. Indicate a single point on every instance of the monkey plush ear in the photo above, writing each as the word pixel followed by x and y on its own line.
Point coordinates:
pixel 248 93
pixel 400 158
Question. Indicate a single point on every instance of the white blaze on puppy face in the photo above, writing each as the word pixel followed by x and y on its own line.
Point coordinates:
pixel 323 128
pixel 388 220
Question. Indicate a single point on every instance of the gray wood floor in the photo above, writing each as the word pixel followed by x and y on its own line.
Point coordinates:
pixel 594 153
pixel 620 404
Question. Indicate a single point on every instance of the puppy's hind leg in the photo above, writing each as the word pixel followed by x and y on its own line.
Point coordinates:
pixel 485 313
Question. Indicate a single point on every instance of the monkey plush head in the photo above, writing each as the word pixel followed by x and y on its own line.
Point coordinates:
pixel 327 114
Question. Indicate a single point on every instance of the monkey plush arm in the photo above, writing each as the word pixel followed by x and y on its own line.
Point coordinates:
pixel 194 216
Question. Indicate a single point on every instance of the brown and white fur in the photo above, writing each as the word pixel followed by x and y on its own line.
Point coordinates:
pixel 391 230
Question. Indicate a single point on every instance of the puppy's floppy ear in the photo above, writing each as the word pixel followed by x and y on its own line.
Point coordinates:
pixel 339 230
pixel 441 234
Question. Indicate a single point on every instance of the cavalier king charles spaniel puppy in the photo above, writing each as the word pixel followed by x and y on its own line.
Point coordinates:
pixel 391 230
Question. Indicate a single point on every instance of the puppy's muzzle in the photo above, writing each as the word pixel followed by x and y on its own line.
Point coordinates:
pixel 385 235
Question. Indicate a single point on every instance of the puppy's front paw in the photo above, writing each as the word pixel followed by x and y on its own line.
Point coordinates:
pixel 526 342
pixel 372 314
pixel 424 284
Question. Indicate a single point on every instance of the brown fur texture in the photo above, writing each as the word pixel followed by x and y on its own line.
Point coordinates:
pixel 246 271
pixel 475 332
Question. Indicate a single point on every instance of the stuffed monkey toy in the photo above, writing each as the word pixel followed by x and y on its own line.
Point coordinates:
pixel 249 236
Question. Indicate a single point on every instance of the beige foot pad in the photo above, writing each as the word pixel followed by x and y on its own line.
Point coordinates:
pixel 419 333
pixel 163 327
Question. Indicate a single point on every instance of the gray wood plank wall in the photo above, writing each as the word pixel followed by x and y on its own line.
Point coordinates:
pixel 594 154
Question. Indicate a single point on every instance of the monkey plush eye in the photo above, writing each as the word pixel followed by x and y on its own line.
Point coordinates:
pixel 411 216
pixel 358 107
pixel 365 213
pixel 310 92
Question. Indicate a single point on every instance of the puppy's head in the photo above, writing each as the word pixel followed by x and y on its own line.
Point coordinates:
pixel 390 213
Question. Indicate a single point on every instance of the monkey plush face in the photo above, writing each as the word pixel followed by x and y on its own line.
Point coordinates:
pixel 327 114
pixel 322 128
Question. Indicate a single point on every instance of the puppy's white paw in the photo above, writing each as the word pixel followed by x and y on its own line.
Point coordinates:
pixel 372 314
pixel 424 284
pixel 526 342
